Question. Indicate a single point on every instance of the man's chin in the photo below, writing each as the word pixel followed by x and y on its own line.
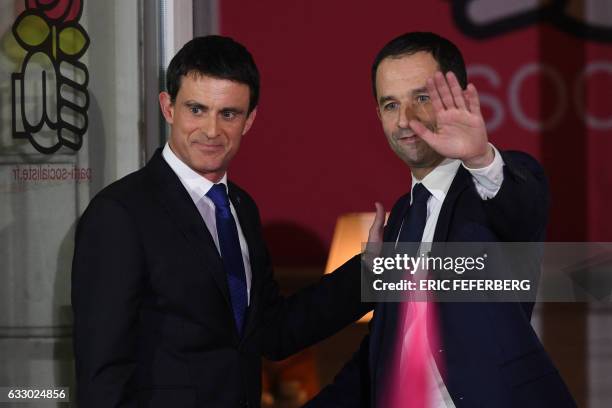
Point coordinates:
pixel 420 162
pixel 413 160
pixel 208 169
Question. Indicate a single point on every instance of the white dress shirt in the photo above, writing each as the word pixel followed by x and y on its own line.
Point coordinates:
pixel 488 181
pixel 197 186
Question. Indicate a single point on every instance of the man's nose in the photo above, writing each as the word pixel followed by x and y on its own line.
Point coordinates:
pixel 210 127
pixel 406 114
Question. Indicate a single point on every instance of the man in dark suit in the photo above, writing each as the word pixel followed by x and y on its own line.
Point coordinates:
pixel 463 190
pixel 172 289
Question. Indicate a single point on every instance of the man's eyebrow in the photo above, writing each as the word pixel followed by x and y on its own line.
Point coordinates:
pixel 420 90
pixel 198 105
pixel 385 98
pixel 232 109
pixel 194 104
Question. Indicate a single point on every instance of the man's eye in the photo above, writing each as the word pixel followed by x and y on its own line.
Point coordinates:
pixel 229 115
pixel 422 99
pixel 196 110
pixel 390 106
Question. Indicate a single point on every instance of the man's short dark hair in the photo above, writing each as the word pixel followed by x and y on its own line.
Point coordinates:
pixel 446 54
pixel 218 57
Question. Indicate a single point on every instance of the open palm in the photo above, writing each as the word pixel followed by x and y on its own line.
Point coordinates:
pixel 460 131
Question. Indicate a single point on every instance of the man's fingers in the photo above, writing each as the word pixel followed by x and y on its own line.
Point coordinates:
pixel 444 90
pixel 467 100
pixel 421 130
pixel 378 224
pixel 434 140
pixel 379 219
pixel 473 100
pixel 434 96
pixel 456 90
pixel 375 236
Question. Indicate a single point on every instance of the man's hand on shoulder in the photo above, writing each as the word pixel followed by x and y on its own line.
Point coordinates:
pixel 375 236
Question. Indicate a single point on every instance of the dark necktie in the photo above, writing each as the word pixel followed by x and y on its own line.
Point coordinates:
pixel 410 382
pixel 414 224
pixel 229 244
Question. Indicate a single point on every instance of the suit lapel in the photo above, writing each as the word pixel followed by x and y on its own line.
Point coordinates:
pixel 395 222
pixel 461 181
pixel 170 192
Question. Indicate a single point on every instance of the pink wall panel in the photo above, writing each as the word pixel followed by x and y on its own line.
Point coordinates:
pixel 317 150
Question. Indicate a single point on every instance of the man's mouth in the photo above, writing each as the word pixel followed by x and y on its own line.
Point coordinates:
pixel 407 138
pixel 208 147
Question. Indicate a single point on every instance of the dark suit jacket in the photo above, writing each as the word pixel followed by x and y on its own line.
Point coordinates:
pixel 490 355
pixel 153 324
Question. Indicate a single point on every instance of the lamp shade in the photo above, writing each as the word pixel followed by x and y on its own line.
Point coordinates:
pixel 350 234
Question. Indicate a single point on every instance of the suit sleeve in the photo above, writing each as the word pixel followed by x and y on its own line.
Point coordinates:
pixel 107 281
pixel 519 211
pixel 293 323
pixel 289 324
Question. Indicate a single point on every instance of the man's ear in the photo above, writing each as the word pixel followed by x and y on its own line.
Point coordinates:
pixel 167 107
pixel 249 121
pixel 378 113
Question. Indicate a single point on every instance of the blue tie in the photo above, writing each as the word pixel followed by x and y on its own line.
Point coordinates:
pixel 229 244
pixel 414 223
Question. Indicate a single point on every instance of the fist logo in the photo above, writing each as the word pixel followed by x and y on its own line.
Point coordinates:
pixel 50 97
pixel 590 19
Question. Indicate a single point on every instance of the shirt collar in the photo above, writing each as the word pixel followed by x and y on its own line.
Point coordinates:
pixel 197 185
pixel 439 180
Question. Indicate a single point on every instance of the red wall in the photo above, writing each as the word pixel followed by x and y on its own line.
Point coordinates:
pixel 317 150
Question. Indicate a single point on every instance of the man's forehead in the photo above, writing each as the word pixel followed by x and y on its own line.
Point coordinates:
pixel 212 87
pixel 411 71
pixel 407 65
pixel 199 78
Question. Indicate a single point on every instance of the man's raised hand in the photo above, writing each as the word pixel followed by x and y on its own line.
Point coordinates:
pixel 460 131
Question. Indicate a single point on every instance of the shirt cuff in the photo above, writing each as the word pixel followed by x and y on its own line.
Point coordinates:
pixel 488 180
